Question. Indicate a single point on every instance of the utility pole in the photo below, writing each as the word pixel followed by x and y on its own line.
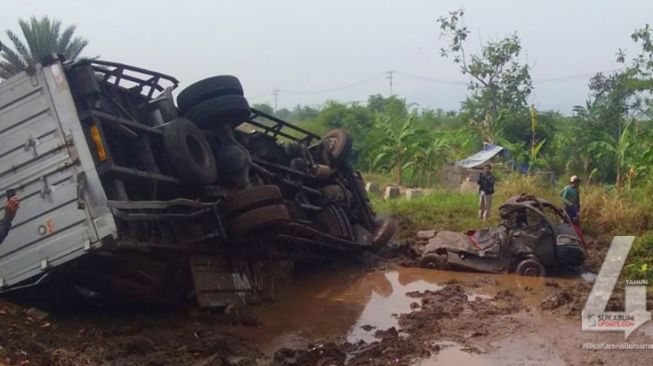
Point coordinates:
pixel 275 92
pixel 389 75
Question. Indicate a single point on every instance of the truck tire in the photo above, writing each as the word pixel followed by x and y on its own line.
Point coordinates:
pixel 190 153
pixel 337 145
pixel 384 232
pixel 232 108
pixel 208 88
pixel 258 219
pixel 332 221
pixel 530 267
pixel 251 198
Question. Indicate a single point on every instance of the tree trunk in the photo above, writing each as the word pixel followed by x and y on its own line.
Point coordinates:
pixel 618 180
pixel 399 168
pixel 586 169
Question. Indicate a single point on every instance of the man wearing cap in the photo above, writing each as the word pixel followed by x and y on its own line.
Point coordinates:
pixel 571 198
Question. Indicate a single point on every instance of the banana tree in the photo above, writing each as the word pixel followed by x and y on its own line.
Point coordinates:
pixel 398 144
pixel 620 148
pixel 428 153
pixel 535 158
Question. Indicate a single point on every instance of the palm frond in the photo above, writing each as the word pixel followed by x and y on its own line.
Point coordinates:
pixel 75 48
pixel 65 39
pixel 21 48
pixel 13 58
pixel 42 37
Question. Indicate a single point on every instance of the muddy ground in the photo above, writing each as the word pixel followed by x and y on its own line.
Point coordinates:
pixel 390 315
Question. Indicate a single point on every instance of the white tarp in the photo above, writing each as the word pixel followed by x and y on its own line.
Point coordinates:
pixel 488 152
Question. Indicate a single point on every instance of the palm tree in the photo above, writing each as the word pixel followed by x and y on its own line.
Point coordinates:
pixel 43 37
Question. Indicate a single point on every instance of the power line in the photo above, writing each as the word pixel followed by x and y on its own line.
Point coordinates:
pixel 346 86
pixel 576 76
pixel 428 78
pixel 390 74
pixel 544 80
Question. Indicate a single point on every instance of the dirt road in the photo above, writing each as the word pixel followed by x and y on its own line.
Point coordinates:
pixel 391 316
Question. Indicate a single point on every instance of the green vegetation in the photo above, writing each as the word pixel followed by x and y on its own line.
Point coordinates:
pixel 43 37
pixel 605 213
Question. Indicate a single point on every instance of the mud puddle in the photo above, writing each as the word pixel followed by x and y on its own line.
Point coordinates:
pixel 345 305
pixel 505 352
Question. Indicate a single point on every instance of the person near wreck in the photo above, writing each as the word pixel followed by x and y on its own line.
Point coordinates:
pixel 485 190
pixel 571 199
pixel 11 208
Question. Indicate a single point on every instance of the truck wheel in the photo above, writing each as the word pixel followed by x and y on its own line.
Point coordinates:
pixel 332 221
pixel 258 219
pixel 299 164
pixel 337 145
pixel 190 154
pixel 208 88
pixel 231 108
pixel 434 260
pixel 530 267
pixel 384 232
pixel 251 198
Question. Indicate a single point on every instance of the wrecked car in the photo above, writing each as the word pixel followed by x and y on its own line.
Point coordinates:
pixel 125 192
pixel 534 235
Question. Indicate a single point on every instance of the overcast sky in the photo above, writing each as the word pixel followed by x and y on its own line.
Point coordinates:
pixel 340 49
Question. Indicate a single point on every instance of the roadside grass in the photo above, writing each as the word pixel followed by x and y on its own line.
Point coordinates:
pixel 439 210
pixel 604 213
pixel 639 265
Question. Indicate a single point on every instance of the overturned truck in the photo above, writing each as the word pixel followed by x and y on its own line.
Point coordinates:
pixel 125 193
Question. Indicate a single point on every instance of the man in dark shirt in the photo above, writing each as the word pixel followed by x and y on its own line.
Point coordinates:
pixel 485 190
pixel 10 212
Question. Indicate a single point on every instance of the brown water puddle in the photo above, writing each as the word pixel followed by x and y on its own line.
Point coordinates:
pixel 506 352
pixel 347 304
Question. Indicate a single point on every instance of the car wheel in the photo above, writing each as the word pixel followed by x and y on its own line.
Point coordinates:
pixel 190 153
pixel 337 145
pixel 530 267
pixel 434 260
pixel 251 198
pixel 208 88
pixel 227 108
pixel 258 219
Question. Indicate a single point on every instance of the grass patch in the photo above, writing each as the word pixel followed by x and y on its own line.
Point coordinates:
pixel 640 260
pixel 440 210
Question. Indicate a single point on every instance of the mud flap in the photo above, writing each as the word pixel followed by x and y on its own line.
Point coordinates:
pixel 273 278
pixel 219 282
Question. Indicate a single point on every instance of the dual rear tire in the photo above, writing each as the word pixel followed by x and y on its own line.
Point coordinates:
pixel 213 100
pixel 253 210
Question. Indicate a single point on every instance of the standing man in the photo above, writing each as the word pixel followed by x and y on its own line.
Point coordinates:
pixel 10 212
pixel 485 190
pixel 571 199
